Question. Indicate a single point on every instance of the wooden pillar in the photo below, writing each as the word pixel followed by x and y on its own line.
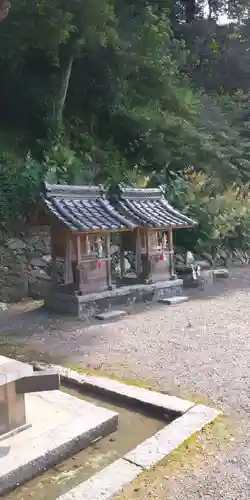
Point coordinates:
pixel 171 252
pixel 78 263
pixel 137 252
pixel 53 260
pixel 148 260
pixel 122 262
pixel 68 275
pixel 78 250
pixel 108 261
pixel 146 239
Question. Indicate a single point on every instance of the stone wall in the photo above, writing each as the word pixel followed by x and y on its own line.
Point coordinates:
pixel 25 265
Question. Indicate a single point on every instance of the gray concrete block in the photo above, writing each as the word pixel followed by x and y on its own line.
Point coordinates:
pixel 164 442
pixel 173 300
pixel 61 425
pixel 124 391
pixel 105 316
pixel 105 484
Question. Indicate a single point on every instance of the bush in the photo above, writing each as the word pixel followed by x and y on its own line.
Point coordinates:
pixel 19 188
pixel 223 217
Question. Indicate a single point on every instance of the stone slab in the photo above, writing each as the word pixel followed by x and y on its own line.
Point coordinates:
pixel 61 425
pixel 118 390
pixel 105 316
pixel 164 442
pixel 173 300
pixel 11 370
pixel 105 484
pixel 221 273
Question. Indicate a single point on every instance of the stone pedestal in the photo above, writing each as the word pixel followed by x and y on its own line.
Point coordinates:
pixel 12 404
pixel 12 408
pixel 16 379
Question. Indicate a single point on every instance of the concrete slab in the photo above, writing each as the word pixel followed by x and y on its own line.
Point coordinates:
pixel 105 316
pixel 61 425
pixel 105 484
pixel 173 300
pixel 154 449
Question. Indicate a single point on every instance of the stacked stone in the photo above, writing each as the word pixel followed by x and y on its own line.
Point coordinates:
pixel 25 265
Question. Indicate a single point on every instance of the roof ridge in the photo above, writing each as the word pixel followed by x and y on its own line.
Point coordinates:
pixel 69 191
pixel 131 192
pixel 149 206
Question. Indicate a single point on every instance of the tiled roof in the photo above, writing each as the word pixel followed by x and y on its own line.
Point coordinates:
pixel 148 207
pixel 83 208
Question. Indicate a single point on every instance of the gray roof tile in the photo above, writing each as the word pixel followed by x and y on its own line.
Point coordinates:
pixel 83 208
pixel 148 207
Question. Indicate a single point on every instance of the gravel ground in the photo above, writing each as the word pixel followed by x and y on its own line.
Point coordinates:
pixel 200 349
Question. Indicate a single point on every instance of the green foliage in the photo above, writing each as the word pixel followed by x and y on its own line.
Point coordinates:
pixel 122 91
pixel 223 215
pixel 19 187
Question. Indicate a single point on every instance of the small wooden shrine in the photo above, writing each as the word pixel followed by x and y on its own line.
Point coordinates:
pixel 81 220
pixel 87 225
pixel 152 241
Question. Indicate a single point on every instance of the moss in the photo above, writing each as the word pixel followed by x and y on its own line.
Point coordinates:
pixel 144 384
pixel 98 373
pixel 196 453
pixel 27 353
pixel 22 352
pixel 196 398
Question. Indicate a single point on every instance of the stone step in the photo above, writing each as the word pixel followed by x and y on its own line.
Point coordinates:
pixel 221 273
pixel 105 316
pixel 173 300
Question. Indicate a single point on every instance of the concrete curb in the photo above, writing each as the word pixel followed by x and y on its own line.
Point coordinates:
pixel 106 484
pixel 120 391
pixel 189 419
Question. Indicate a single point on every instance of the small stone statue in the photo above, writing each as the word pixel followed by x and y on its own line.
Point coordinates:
pixel 190 259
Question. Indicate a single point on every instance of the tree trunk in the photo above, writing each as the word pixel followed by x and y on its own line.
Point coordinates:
pixel 190 8
pixel 64 80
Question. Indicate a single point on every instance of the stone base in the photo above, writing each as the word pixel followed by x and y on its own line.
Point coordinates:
pixel 94 303
pixel 106 316
pixel 61 425
pixel 173 300
pixel 221 273
pixel 12 404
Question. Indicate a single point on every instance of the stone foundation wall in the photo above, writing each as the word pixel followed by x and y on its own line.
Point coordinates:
pixel 25 265
pixel 84 306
